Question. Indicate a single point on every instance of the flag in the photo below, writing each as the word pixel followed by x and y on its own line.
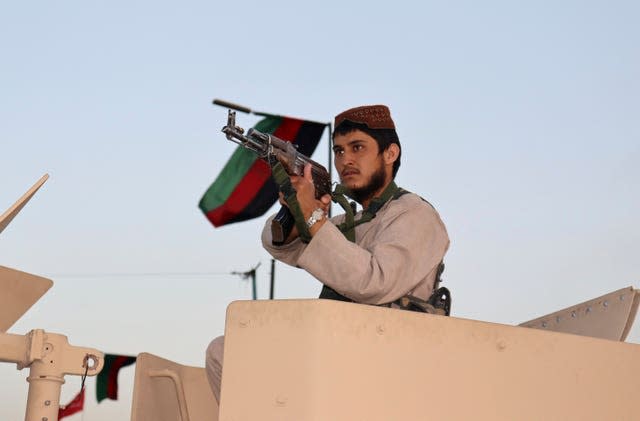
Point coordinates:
pixel 244 188
pixel 76 405
pixel 107 381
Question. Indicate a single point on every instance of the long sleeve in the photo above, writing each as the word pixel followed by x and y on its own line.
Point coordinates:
pixel 287 253
pixel 397 253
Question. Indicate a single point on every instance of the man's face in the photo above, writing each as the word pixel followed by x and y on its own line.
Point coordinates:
pixel 360 165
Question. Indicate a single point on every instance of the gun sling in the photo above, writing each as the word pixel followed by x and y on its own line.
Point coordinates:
pixel 440 300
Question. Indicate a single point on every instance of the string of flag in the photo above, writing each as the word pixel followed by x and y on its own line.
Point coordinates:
pixel 106 384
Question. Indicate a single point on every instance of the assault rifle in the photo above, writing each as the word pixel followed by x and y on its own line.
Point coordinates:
pixel 268 148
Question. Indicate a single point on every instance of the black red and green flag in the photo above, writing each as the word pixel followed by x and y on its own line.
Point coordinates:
pixel 107 381
pixel 244 189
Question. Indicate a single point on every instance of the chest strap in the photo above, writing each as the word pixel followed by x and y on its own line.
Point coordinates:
pixel 391 192
pixel 440 300
pixel 348 227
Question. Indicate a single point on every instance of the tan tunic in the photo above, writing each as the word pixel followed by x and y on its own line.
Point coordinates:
pixel 395 254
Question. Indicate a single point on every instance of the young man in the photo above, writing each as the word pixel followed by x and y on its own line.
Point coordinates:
pixel 396 253
pixel 399 241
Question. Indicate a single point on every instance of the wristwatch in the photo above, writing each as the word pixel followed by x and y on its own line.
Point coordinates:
pixel 316 216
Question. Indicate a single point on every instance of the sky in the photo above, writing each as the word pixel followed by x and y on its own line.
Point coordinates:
pixel 518 122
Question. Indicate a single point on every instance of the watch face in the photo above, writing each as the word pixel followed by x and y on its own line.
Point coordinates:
pixel 317 214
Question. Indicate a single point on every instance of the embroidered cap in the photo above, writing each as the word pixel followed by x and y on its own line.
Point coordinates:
pixel 374 116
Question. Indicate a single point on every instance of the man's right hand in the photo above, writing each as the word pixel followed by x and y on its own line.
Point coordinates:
pixel 305 195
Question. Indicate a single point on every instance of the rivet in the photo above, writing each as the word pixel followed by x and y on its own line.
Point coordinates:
pixel 281 400
pixel 47 403
pixel 244 323
pixel 544 324
pixel 380 330
pixel 557 319
pixel 589 309
pixel 622 297
pixel 573 314
pixel 606 304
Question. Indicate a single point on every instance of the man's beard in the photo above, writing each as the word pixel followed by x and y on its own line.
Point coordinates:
pixel 375 183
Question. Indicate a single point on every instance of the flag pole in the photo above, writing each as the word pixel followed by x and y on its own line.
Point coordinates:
pixel 330 164
pixel 231 105
pixel 247 110
pixel 273 278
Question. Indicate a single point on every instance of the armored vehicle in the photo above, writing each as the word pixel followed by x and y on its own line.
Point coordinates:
pixel 328 360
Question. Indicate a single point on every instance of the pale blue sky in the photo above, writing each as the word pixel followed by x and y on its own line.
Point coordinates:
pixel 518 121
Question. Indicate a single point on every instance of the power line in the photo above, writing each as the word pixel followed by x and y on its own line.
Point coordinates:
pixel 250 274
pixel 134 274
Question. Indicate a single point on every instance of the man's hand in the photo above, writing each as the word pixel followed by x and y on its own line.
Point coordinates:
pixel 306 196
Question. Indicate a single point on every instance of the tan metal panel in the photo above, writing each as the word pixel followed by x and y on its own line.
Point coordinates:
pixel 167 391
pixel 10 213
pixel 609 316
pixel 326 360
pixel 18 292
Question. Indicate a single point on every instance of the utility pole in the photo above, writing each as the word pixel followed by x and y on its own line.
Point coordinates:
pixel 250 273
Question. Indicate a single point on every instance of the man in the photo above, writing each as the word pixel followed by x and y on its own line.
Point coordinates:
pixel 400 240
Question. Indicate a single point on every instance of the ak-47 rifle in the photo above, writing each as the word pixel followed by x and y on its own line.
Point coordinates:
pixel 269 147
